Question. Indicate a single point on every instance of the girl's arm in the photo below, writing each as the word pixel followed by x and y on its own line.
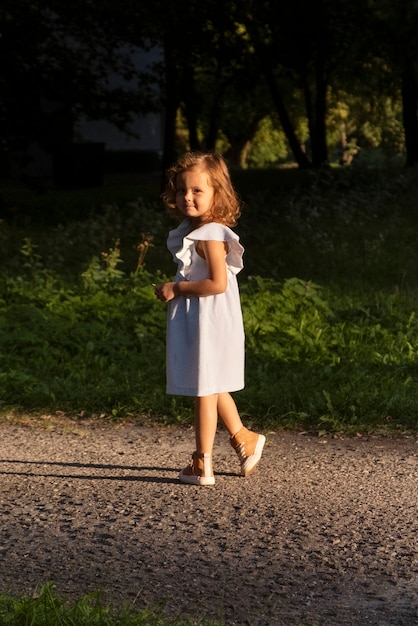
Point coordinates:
pixel 214 254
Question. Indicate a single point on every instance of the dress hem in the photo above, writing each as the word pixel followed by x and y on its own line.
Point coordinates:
pixel 178 391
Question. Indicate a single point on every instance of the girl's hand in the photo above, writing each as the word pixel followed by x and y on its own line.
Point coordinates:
pixel 165 291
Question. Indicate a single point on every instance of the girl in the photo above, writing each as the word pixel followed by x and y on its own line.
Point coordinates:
pixel 205 334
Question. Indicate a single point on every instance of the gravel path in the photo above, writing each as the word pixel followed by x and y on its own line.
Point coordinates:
pixel 324 532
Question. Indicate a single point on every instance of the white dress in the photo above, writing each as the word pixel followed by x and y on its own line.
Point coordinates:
pixel 205 335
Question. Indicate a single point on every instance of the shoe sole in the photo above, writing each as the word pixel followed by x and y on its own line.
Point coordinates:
pixel 199 481
pixel 252 461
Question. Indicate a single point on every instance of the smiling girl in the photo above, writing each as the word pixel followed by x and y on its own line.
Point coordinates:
pixel 205 333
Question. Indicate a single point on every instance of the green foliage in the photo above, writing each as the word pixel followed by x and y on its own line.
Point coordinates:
pixel 321 358
pixel 48 607
pixel 82 347
pixel 268 144
pixel 329 296
pixel 103 272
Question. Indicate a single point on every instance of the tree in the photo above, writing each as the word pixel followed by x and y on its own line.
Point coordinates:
pixel 210 75
pixel 56 62
pixel 392 28
pixel 307 43
pixel 406 54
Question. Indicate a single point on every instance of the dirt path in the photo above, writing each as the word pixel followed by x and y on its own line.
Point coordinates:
pixel 324 532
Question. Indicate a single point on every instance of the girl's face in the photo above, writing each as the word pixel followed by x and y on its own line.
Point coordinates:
pixel 194 194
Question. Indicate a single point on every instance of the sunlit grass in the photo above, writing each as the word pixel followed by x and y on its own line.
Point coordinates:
pixel 49 608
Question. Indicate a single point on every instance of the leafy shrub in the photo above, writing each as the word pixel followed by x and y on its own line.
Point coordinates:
pixel 333 362
pixel 82 347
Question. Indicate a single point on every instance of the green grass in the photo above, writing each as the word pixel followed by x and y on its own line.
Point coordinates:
pixel 329 295
pixel 50 608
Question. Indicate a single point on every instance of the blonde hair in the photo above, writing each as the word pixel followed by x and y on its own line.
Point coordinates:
pixel 226 207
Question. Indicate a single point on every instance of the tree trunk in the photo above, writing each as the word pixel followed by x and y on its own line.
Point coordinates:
pixel 214 115
pixel 191 110
pixel 300 157
pixel 316 114
pixel 409 113
pixel 298 153
pixel 320 157
pixel 171 103
pixel 237 151
pixel 191 119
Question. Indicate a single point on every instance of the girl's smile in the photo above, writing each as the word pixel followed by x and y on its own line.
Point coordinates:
pixel 194 194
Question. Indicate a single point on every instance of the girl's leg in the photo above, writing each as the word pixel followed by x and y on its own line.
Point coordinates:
pixel 228 412
pixel 247 444
pixel 205 422
pixel 200 471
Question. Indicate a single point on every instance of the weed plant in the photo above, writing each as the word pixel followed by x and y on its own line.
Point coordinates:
pixel 329 295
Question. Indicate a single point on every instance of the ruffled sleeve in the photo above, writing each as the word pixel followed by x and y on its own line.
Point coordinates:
pixel 176 236
pixel 218 232
pixel 211 232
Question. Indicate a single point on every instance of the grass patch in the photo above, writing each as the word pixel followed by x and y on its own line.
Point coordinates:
pixel 48 607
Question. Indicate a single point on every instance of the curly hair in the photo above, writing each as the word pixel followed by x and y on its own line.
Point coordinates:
pixel 226 207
